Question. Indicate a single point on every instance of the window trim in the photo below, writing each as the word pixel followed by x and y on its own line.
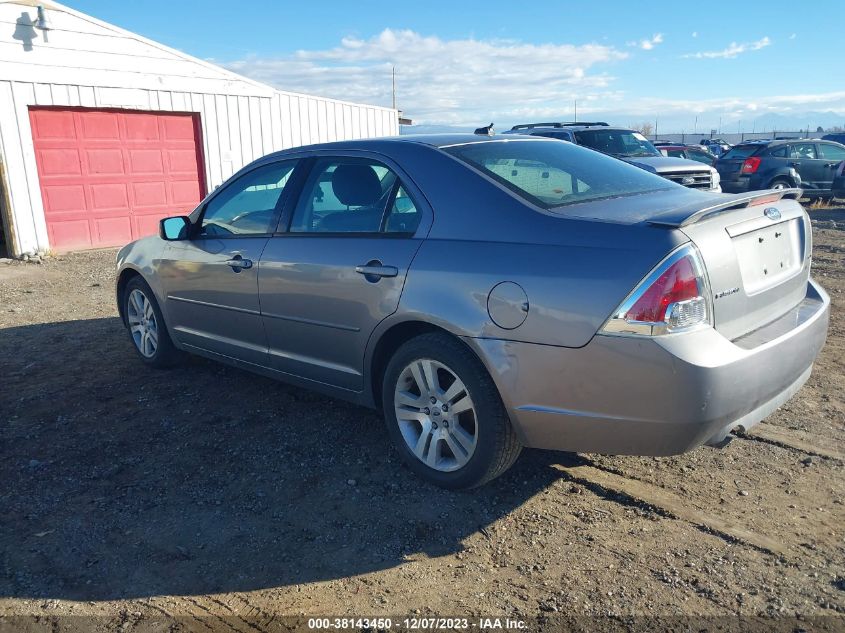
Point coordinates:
pixel 312 160
pixel 196 223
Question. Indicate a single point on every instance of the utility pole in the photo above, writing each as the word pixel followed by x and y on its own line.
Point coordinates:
pixel 394 87
pixel 695 127
pixel 576 110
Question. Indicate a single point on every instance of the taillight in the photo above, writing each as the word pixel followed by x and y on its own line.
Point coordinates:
pixel 750 165
pixel 674 297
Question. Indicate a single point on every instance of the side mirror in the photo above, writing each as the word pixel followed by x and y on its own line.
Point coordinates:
pixel 175 228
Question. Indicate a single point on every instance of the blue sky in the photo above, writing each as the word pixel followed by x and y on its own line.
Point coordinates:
pixel 466 63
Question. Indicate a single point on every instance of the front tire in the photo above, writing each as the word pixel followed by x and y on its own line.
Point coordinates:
pixel 146 326
pixel 444 414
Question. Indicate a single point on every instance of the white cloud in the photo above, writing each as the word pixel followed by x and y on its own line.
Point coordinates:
pixel 444 81
pixel 695 33
pixel 648 44
pixel 793 36
pixel 732 51
pixel 471 82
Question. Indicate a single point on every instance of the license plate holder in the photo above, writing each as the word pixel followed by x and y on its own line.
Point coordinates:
pixel 768 255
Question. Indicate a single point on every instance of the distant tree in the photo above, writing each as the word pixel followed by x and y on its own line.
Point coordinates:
pixel 820 129
pixel 644 128
pixel 836 128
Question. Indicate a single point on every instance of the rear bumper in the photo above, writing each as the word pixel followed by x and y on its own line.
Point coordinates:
pixel 661 396
pixel 740 185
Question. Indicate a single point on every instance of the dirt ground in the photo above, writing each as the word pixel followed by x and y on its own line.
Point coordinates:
pixel 224 500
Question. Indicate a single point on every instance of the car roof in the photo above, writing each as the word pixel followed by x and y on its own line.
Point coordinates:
pixel 386 142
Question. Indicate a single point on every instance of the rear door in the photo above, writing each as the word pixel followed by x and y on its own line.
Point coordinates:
pixel 833 154
pixel 805 159
pixel 211 279
pixel 339 267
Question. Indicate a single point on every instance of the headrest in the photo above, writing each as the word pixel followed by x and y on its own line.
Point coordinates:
pixel 356 185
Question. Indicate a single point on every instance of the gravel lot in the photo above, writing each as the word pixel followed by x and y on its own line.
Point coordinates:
pixel 228 500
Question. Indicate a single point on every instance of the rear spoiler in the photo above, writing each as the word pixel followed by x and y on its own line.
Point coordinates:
pixel 692 213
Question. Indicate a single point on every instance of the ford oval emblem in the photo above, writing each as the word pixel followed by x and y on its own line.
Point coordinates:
pixel 688 180
pixel 772 213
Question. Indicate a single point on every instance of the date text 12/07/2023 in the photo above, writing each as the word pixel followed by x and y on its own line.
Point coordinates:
pixel 416 624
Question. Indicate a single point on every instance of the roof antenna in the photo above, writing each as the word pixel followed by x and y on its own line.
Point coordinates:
pixel 485 131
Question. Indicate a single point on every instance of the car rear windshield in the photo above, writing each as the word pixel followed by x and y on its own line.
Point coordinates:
pixel 741 151
pixel 555 173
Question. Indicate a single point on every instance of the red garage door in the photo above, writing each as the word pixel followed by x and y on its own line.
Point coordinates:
pixel 107 177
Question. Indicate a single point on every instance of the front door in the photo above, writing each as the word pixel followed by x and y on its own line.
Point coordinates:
pixel 339 270
pixel 211 279
pixel 833 155
pixel 805 159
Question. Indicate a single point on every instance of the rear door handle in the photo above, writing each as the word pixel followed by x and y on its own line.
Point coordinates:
pixel 238 263
pixel 375 270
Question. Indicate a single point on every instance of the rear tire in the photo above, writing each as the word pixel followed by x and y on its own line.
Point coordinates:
pixel 445 415
pixel 145 324
pixel 780 183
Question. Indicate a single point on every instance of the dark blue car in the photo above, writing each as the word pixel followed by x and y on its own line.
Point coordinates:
pixel 806 163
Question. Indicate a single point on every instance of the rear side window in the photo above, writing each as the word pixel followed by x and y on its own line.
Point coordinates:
pixel 778 152
pixel 556 174
pixel 741 151
pixel 676 153
pixel 561 136
pixel 701 157
pixel 354 195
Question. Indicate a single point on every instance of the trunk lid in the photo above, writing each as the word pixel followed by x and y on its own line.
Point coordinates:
pixel 756 249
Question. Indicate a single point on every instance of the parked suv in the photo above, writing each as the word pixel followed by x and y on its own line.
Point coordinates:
pixel 809 164
pixel 838 137
pixel 629 146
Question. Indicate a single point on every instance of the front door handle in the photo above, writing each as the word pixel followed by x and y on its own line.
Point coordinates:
pixel 238 263
pixel 375 270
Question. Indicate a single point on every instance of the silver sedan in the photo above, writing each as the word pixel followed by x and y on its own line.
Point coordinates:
pixel 490 294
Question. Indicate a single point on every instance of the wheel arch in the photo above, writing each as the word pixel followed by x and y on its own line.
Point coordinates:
pixel 385 343
pixel 123 278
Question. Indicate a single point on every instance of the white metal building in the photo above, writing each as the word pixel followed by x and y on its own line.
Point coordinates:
pixel 103 132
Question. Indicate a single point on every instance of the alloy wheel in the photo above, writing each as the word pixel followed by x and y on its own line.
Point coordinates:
pixel 436 415
pixel 142 323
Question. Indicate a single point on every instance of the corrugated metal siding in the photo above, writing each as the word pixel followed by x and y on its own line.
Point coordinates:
pixel 241 119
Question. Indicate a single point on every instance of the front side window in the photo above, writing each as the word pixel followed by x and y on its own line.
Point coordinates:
pixel 802 150
pixel 832 152
pixel 556 174
pixel 249 205
pixel 344 195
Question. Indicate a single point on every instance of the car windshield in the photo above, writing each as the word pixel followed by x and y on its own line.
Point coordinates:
pixel 617 142
pixel 741 151
pixel 555 173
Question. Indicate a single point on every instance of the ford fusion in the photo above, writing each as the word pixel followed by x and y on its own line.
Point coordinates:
pixel 490 294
